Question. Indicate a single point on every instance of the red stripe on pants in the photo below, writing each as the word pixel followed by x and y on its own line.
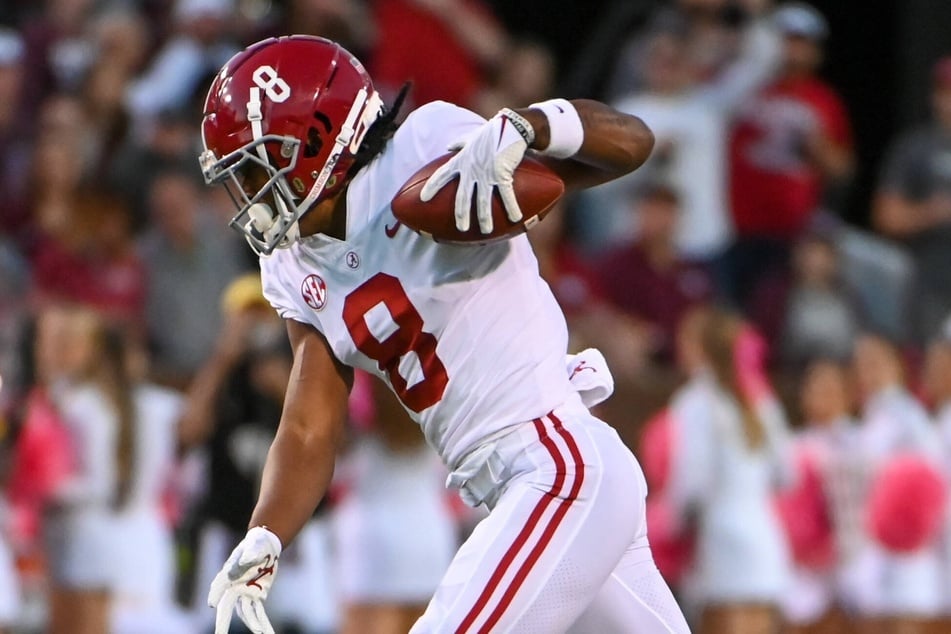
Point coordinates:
pixel 545 539
pixel 529 527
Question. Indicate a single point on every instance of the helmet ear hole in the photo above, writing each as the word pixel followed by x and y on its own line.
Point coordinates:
pixel 314 143
pixel 324 120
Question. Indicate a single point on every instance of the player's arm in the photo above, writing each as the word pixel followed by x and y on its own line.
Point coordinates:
pixel 612 143
pixel 296 476
pixel 585 142
pixel 300 463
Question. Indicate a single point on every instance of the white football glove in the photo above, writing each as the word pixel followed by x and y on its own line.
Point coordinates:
pixel 486 159
pixel 244 581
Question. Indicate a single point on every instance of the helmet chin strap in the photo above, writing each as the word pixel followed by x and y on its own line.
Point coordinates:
pixel 263 219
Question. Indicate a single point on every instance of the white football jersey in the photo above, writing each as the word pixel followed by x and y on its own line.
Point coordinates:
pixel 469 337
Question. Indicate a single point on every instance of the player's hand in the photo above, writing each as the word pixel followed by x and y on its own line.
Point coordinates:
pixel 244 581
pixel 486 159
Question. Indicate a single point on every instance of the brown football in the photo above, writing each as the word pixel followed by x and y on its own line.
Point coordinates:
pixel 537 189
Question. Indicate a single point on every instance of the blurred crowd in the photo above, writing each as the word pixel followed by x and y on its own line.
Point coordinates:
pixel 783 376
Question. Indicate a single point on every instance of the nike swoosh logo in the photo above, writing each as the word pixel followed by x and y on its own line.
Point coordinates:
pixel 502 130
pixel 391 231
pixel 560 109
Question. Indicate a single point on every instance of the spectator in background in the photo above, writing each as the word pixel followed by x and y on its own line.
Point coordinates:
pixel 14 210
pixel 575 285
pixel 14 145
pixel 10 596
pixel 82 364
pixel 790 149
pixel 455 43
pixel 884 586
pixel 712 30
pixel 347 22
pixel 730 456
pixel 95 263
pixel 58 53
pixel 200 44
pixel 937 387
pixel 143 539
pixel 58 169
pixel 937 383
pixel 913 204
pixel 689 116
pixel 187 261
pixel 14 316
pixel 526 77
pixel 169 144
pixel 394 528
pixel 892 418
pixel 648 279
pixel 810 312
pixel 120 41
pixel 824 513
pixel 10 602
pixel 232 410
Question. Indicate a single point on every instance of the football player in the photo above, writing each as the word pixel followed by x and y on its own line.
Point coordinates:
pixel 469 338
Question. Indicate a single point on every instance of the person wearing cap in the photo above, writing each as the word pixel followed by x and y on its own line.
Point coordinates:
pixel 913 204
pixel 689 108
pixel 790 152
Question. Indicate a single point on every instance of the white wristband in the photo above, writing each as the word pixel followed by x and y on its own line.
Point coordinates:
pixel 564 125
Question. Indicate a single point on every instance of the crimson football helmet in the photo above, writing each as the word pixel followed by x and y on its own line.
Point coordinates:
pixel 298 108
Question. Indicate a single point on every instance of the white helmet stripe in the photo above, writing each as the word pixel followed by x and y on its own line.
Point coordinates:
pixel 255 117
pixel 342 141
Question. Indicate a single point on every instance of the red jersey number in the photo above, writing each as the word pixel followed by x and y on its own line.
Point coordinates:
pixel 408 337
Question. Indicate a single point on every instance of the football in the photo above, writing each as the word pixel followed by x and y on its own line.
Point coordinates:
pixel 537 189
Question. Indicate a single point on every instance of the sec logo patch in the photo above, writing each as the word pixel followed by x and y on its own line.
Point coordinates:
pixel 314 291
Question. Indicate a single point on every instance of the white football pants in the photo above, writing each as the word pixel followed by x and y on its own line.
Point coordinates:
pixel 564 548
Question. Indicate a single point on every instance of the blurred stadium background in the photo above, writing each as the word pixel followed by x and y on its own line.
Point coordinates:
pixel 780 268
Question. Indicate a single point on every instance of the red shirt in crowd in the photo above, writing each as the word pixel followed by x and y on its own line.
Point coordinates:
pixel 658 297
pixel 574 285
pixel 414 44
pixel 115 286
pixel 774 189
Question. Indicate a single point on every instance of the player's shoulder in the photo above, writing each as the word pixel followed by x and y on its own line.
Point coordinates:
pixel 429 129
pixel 280 274
pixel 435 113
pixel 425 135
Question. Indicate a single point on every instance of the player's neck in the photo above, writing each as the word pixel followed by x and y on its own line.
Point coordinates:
pixel 328 217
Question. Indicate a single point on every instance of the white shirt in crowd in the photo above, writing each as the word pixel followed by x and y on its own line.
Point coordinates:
pixel 742 553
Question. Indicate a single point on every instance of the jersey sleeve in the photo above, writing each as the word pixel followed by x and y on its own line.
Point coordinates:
pixel 275 292
pixel 429 130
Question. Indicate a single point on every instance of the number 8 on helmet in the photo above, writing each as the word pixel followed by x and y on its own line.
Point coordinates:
pixel 297 108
